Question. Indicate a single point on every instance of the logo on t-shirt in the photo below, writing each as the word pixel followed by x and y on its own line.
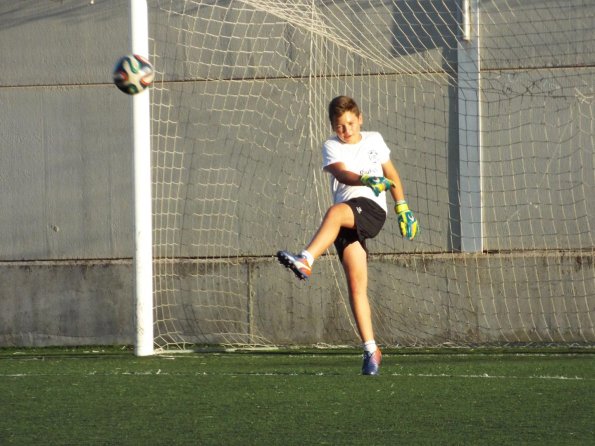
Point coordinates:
pixel 373 155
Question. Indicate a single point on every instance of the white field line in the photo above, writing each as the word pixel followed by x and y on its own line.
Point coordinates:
pixel 487 376
pixel 407 375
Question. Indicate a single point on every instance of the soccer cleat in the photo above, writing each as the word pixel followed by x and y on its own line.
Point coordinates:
pixel 372 363
pixel 298 264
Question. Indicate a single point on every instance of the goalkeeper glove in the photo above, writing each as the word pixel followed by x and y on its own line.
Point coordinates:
pixel 407 221
pixel 377 184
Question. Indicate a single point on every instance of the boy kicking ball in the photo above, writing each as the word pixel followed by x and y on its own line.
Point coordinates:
pixel 361 171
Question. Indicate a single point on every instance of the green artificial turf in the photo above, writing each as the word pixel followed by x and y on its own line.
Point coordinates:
pixel 79 397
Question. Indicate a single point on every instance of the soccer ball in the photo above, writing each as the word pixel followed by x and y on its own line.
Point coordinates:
pixel 133 74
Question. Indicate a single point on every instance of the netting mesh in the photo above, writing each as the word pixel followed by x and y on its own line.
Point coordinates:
pixel 239 116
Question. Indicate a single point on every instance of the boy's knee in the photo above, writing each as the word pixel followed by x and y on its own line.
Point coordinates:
pixel 339 210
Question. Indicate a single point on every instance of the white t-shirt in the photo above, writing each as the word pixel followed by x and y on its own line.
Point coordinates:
pixel 365 157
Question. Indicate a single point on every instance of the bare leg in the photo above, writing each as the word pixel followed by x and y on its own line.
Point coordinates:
pixel 338 215
pixel 355 264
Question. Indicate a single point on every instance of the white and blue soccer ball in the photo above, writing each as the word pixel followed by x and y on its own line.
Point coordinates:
pixel 133 74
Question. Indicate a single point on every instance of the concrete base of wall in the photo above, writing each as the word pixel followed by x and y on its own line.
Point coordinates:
pixel 417 300
pixel 66 303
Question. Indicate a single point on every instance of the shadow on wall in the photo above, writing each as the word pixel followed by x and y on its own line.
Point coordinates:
pixel 428 28
pixel 424 25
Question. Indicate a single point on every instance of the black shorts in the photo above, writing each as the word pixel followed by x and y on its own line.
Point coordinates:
pixel 369 219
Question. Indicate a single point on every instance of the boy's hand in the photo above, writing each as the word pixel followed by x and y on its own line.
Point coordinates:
pixel 407 221
pixel 377 184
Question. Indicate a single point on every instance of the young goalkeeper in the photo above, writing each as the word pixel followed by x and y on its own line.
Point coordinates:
pixel 360 172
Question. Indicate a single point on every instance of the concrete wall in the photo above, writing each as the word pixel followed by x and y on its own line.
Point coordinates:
pixel 65 173
pixel 65 163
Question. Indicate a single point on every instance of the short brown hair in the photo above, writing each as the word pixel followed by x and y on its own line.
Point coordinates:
pixel 341 105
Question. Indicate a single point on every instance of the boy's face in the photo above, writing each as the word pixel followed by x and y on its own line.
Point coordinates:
pixel 347 127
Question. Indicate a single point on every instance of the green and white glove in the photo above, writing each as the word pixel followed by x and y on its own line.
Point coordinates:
pixel 377 184
pixel 407 221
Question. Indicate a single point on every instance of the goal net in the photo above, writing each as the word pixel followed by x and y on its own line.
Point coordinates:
pixel 488 110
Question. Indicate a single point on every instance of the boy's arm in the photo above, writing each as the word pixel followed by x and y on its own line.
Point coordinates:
pixel 377 184
pixel 390 172
pixel 340 172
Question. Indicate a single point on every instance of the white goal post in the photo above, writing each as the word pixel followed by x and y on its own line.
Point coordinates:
pixel 488 109
pixel 143 241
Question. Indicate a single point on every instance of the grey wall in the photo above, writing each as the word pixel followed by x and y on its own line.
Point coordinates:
pixel 66 175
pixel 65 163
